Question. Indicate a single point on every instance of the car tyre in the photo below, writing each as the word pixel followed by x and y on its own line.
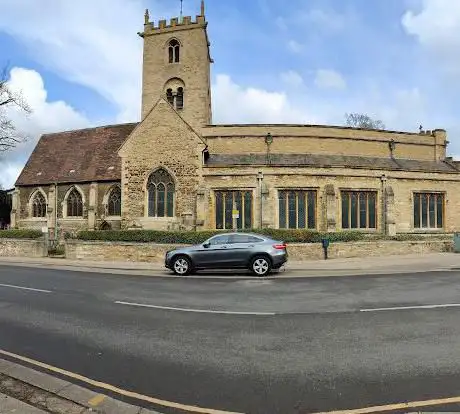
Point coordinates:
pixel 182 265
pixel 260 266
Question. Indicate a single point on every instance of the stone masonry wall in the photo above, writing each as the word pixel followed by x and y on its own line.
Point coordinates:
pixel 297 139
pixel 193 69
pixel 163 139
pixel 403 184
pixel 96 207
pixel 150 252
pixel 22 248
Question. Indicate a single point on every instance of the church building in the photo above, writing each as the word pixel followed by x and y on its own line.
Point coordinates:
pixel 175 169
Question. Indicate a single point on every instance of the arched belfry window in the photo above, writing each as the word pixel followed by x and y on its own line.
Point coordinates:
pixel 160 187
pixel 170 96
pixel 38 205
pixel 74 204
pixel 180 98
pixel 174 51
pixel 175 89
pixel 114 202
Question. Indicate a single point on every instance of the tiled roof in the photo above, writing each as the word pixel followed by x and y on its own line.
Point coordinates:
pixel 326 161
pixel 76 156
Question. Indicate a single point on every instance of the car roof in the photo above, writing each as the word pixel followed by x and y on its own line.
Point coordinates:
pixel 243 234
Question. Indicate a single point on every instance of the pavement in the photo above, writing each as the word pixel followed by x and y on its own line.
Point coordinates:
pixel 308 268
pixel 24 390
pixel 380 343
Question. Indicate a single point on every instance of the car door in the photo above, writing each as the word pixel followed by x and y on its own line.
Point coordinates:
pixel 214 255
pixel 240 248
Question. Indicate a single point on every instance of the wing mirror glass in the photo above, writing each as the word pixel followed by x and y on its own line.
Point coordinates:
pixel 206 245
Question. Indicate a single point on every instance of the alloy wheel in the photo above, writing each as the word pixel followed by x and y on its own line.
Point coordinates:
pixel 181 266
pixel 260 266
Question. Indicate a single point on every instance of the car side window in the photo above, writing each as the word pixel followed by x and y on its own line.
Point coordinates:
pixel 253 239
pixel 239 238
pixel 244 238
pixel 218 240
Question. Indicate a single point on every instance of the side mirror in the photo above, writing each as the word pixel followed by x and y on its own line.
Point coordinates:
pixel 206 245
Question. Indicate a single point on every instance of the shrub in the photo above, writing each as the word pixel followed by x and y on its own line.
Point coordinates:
pixel 195 237
pixel 20 234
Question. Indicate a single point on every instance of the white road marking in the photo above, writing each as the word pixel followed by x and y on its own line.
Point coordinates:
pixel 26 288
pixel 446 305
pixel 142 305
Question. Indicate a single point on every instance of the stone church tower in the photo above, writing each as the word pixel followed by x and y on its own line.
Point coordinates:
pixel 177 64
pixel 162 157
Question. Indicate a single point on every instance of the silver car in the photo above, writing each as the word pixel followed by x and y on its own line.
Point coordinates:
pixel 255 252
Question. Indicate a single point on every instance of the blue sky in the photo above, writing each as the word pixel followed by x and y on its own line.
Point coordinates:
pixel 79 64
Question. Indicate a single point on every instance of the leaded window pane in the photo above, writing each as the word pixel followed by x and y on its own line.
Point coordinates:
pixel 417 208
pixel 74 204
pixel 282 209
pixel 161 194
pixel 354 210
pixel 372 205
pixel 440 211
pixel 39 205
pixel 248 209
pixel 226 202
pixel 170 200
pixel 345 210
pixel 359 209
pixel 301 209
pixel 219 210
pixel 431 209
pixel 428 210
pixel 292 210
pixel 312 209
pixel 228 210
pixel 114 203
pixel 161 191
pixel 424 198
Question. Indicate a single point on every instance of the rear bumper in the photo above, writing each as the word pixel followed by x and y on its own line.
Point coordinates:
pixel 279 259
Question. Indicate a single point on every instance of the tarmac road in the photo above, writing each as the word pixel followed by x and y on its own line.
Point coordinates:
pixel 244 345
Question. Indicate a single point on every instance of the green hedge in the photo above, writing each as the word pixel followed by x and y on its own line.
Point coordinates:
pixel 20 234
pixel 192 237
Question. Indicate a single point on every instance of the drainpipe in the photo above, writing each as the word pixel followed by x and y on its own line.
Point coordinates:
pixel 55 213
pixel 383 180
pixel 260 177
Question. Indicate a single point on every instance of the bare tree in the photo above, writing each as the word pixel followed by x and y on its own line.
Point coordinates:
pixel 9 99
pixel 363 121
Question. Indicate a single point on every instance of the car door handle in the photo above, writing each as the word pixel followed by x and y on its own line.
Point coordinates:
pixel 251 245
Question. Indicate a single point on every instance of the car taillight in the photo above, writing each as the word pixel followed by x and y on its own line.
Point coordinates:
pixel 280 246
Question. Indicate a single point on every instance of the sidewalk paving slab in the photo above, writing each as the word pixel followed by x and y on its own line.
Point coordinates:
pixel 21 385
pixel 9 405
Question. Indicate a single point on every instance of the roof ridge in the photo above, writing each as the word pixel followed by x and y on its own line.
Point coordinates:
pixel 90 128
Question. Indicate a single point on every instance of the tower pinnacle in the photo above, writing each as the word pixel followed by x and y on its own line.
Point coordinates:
pixel 146 16
pixel 202 7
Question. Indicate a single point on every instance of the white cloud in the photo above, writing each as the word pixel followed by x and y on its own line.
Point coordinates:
pixel 46 117
pixel 436 25
pixel 327 20
pixel 235 104
pixel 292 78
pixel 329 79
pixel 93 43
pixel 295 47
